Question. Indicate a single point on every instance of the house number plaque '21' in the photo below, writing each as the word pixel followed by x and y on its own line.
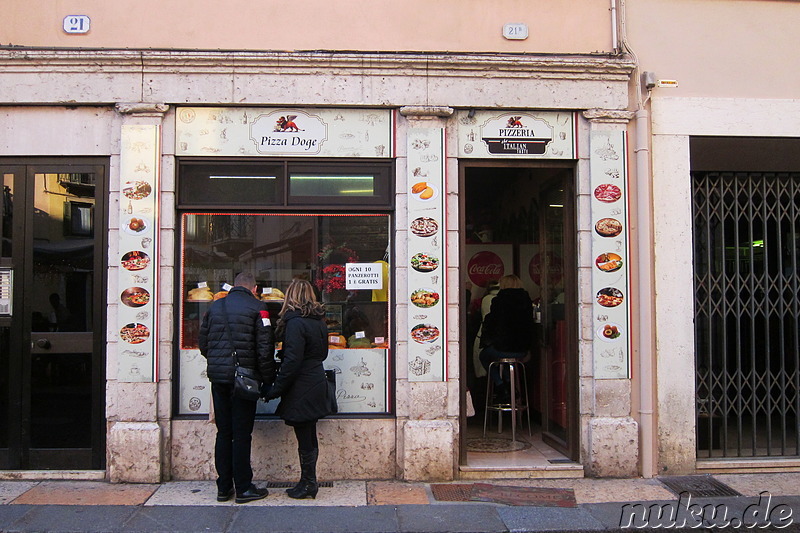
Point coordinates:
pixel 77 24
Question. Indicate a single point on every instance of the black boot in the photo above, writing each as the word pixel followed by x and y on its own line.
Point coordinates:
pixel 307 487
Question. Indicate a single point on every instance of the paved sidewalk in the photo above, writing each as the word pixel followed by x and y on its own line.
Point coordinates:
pixel 392 506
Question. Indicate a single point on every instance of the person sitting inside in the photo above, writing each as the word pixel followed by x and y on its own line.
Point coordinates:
pixel 507 331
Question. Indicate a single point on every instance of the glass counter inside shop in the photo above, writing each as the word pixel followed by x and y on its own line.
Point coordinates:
pixel 276 248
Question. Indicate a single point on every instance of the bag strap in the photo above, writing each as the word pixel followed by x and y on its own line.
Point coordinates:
pixel 228 333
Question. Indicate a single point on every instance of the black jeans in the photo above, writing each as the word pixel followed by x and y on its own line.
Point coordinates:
pixel 490 354
pixel 234 418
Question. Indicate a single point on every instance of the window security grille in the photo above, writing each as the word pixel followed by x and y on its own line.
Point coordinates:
pixel 747 313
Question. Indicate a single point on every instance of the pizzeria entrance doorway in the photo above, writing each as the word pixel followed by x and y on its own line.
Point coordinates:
pixel 519 219
pixel 52 272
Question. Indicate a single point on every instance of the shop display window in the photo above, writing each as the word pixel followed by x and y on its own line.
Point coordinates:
pixel 278 247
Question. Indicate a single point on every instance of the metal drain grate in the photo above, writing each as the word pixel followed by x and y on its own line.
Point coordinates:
pixel 559 461
pixel 290 484
pixel 452 492
pixel 697 486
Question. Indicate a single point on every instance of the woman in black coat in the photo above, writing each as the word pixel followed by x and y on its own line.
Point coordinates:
pixel 507 331
pixel 301 383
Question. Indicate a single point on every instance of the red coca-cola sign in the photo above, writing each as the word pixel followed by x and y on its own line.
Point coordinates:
pixel 484 267
pixel 555 267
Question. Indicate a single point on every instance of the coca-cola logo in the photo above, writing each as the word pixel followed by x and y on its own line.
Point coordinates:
pixel 555 267
pixel 484 267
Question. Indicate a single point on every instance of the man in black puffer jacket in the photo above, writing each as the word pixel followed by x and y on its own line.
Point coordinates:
pixel 251 335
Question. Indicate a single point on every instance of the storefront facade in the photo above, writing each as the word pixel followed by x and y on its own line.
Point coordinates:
pixel 201 183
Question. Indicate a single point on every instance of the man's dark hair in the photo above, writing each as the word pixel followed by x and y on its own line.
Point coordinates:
pixel 245 279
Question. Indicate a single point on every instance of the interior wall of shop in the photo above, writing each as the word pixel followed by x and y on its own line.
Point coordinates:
pixel 674 121
pixel 555 26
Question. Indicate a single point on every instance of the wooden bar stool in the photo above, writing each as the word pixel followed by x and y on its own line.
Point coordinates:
pixel 519 394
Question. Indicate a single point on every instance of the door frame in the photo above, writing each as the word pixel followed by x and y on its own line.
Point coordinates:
pixel 571 447
pixel 19 454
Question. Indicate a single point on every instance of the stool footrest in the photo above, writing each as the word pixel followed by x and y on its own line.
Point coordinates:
pixel 515 368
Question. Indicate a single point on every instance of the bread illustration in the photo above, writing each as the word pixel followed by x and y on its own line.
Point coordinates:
pixel 419 187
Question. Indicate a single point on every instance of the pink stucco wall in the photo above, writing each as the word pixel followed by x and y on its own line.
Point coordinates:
pixel 555 26
pixel 720 49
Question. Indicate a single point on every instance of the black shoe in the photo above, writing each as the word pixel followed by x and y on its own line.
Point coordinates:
pixel 307 487
pixel 252 494
pixel 225 495
pixel 304 489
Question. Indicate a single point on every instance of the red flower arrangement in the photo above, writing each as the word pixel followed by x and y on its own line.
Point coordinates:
pixel 332 276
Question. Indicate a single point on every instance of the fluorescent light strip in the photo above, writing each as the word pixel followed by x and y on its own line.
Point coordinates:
pixel 349 178
pixel 242 177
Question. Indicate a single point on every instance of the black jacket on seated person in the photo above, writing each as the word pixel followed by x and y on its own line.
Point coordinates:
pixel 249 332
pixel 509 325
pixel 301 383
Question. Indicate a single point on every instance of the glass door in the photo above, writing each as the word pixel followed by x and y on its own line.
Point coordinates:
pixel 558 312
pixel 55 329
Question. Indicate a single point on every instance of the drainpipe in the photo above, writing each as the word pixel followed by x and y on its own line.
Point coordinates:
pixel 645 276
pixel 614 40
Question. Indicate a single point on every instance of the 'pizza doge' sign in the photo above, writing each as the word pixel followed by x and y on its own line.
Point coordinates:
pixel 363 276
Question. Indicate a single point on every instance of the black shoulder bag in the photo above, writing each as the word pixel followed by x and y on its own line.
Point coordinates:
pixel 330 379
pixel 246 385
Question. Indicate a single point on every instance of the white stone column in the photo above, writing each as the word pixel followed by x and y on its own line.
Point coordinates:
pixel 135 439
pixel 427 411
pixel 612 434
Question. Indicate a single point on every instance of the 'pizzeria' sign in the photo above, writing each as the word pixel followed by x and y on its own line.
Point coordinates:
pixel 517 134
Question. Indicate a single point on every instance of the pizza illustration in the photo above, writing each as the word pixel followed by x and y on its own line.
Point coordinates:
pixel 135 260
pixel 424 333
pixel 609 297
pixel 608 227
pixel 607 193
pixel 423 262
pixel 134 333
pixel 424 227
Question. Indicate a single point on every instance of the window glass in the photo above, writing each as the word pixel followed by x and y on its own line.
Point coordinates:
pixel 331 185
pixel 276 248
pixel 339 184
pixel 231 184
pixel 7 212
